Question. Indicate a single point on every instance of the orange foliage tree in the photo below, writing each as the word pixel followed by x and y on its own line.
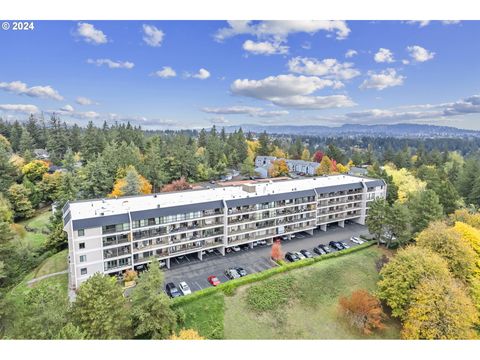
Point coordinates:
pixel 277 250
pixel 177 185
pixel 363 311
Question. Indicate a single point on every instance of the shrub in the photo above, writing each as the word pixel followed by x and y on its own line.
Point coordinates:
pixel 363 311
pixel 271 294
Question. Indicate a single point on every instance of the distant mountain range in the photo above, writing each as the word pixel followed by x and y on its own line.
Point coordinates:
pixel 395 130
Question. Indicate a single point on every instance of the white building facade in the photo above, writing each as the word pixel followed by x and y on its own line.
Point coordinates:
pixel 112 235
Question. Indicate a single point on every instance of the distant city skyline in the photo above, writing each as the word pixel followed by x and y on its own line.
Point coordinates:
pixel 193 74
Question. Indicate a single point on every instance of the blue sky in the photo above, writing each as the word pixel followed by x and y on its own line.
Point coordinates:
pixel 191 74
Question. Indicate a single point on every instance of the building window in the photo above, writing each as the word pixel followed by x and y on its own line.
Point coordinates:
pixel 81 232
pixel 83 271
pixel 81 246
pixel 83 258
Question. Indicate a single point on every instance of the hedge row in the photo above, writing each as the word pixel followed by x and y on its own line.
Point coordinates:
pixel 229 286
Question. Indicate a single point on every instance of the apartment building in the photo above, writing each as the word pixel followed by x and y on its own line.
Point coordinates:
pixel 264 163
pixel 112 235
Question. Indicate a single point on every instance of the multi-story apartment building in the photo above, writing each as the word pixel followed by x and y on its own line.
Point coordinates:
pixel 112 235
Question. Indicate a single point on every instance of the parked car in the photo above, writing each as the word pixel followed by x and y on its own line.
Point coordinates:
pixel 356 240
pixel 292 236
pixel 292 257
pixel 245 247
pixel 210 251
pixel 325 248
pixel 236 248
pixel 184 288
pixel 212 279
pixel 284 237
pixel 241 271
pixel 306 253
pixel 345 245
pixel 262 242
pixel 319 250
pixel 300 255
pixel 228 250
pixel 232 274
pixel 172 290
pixel 336 245
pixel 255 243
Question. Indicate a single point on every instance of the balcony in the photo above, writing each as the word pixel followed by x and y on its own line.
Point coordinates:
pixel 116 252
pixel 115 239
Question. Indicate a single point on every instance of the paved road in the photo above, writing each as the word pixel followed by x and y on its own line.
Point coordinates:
pixel 195 272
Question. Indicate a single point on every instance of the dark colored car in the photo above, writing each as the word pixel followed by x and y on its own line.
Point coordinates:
pixel 172 290
pixel 325 248
pixel 241 271
pixel 336 245
pixel 306 253
pixel 319 250
pixel 291 257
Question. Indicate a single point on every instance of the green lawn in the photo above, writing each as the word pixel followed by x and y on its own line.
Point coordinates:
pixel 312 312
pixel 300 304
pixel 37 227
pixel 53 264
pixel 40 221
pixel 205 315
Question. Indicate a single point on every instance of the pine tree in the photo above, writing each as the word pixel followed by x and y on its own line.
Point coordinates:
pixel 26 145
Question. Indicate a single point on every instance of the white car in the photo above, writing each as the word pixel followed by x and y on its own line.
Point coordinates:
pixel 300 255
pixel 236 248
pixel 345 245
pixel 262 242
pixel 184 288
pixel 356 240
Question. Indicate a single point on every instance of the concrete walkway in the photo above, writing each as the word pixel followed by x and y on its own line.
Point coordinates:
pixel 30 282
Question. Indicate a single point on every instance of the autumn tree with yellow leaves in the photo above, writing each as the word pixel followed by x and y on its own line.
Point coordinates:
pixel 131 184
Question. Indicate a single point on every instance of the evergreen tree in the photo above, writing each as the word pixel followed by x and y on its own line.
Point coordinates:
pixel 264 148
pixel 132 182
pixel 26 145
pixel 7 169
pixel 424 207
pixel 100 309
pixel 376 220
pixel 152 315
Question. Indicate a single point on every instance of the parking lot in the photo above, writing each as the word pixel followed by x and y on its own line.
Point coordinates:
pixel 195 272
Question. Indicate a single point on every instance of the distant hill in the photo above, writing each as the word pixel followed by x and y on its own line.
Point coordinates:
pixel 395 130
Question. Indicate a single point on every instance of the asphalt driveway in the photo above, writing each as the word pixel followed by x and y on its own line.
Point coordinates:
pixel 195 272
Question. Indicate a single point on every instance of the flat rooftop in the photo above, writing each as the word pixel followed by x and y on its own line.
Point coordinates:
pixel 113 206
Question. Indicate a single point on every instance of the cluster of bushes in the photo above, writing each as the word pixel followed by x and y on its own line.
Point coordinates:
pixel 229 287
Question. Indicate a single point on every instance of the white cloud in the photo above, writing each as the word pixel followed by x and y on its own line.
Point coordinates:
pixel 383 55
pixel 281 29
pixel 244 110
pixel 351 53
pixel 416 113
pixel 328 68
pixel 264 48
pixel 112 64
pixel 152 35
pixel 202 74
pixel 68 108
pixel 420 54
pixel 405 62
pixel 21 88
pixel 291 91
pixel 19 108
pixel 382 80
pixel 90 34
pixel 81 100
pixel 165 73
pixel 421 23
